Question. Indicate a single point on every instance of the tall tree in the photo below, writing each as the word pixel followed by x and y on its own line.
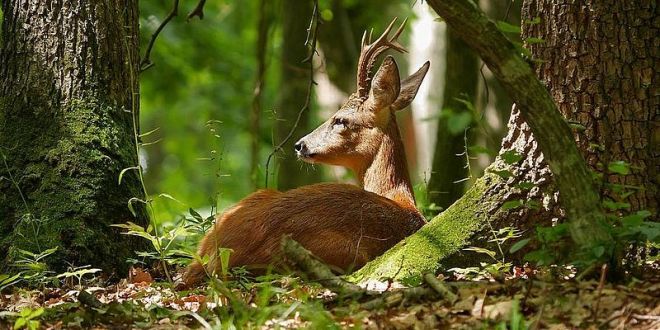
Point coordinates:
pixel 294 75
pixel 68 108
pixel 596 60
pixel 449 170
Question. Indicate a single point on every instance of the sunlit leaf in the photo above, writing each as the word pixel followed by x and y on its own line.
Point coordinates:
pixel 519 245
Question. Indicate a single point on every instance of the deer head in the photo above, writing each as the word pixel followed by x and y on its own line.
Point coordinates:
pixel 353 136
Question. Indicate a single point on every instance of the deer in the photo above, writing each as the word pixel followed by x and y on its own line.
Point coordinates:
pixel 343 225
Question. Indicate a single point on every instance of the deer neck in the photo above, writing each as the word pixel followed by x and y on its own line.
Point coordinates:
pixel 387 175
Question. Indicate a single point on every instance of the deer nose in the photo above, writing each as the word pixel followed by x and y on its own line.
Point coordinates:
pixel 300 147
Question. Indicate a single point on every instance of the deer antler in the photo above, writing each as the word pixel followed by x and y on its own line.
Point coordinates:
pixel 370 51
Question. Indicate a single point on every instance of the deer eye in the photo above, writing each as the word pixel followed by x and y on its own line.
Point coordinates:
pixel 340 122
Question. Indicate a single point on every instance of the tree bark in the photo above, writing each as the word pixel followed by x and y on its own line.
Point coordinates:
pixel 69 81
pixel 291 172
pixel 599 61
pixel 449 170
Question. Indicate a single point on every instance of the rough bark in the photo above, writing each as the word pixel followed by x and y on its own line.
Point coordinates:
pixel 449 170
pixel 599 61
pixel 68 83
pixel 294 75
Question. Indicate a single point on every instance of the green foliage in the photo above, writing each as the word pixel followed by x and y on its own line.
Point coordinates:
pixel 31 267
pixel 161 241
pixel 196 99
pixel 27 318
pixel 428 209
pixel 627 228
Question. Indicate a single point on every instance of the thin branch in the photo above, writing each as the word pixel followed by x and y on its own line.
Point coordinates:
pixel 312 33
pixel 197 11
pixel 146 61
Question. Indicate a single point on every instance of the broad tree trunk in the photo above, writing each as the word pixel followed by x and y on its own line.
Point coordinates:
pixel 597 62
pixel 68 85
pixel 449 170
pixel 291 172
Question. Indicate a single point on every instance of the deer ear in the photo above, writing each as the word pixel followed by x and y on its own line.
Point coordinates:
pixel 409 88
pixel 385 86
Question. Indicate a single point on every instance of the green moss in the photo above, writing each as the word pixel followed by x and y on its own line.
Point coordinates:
pixel 69 165
pixel 445 235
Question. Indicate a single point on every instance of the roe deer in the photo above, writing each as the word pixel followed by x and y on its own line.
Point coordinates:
pixel 344 225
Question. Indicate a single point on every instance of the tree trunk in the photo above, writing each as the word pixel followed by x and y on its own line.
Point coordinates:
pixel 599 61
pixel 530 179
pixel 263 25
pixel 69 81
pixel 449 170
pixel 291 172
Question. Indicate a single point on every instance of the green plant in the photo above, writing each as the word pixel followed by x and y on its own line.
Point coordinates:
pixel 78 273
pixel 627 229
pixel 27 318
pixel 164 249
pixel 31 268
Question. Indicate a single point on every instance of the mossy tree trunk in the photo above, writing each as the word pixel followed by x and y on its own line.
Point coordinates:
pixel 68 88
pixel 550 164
pixel 449 170
pixel 294 75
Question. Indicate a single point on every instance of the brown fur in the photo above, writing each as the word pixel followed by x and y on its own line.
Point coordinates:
pixel 344 225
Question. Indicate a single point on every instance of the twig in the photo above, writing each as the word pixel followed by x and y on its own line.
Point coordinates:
pixel 320 272
pixel 88 299
pixel 146 61
pixel 601 284
pixel 312 33
pixel 393 298
pixel 197 11
pixel 305 260
pixel 440 288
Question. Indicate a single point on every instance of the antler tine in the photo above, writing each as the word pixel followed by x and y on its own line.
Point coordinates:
pixel 370 52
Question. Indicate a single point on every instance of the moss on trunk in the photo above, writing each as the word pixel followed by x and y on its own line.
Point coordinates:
pixel 441 238
pixel 66 101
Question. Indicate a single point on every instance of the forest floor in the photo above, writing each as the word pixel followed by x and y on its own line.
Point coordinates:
pixel 526 299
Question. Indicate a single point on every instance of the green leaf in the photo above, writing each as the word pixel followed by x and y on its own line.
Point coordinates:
pixel 121 174
pixel 576 126
pixel 532 40
pixel 457 123
pixel 511 157
pixel 20 323
pixel 149 133
pixel 534 205
pixel 481 250
pixel 508 28
pixel 504 174
pixel 541 257
pixel 130 204
pixel 195 215
pixel 619 167
pixel 512 204
pixel 598 251
pixel 612 205
pixel 168 196
pixel 519 245
pixel 36 313
pixel 534 21
pixel 525 185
